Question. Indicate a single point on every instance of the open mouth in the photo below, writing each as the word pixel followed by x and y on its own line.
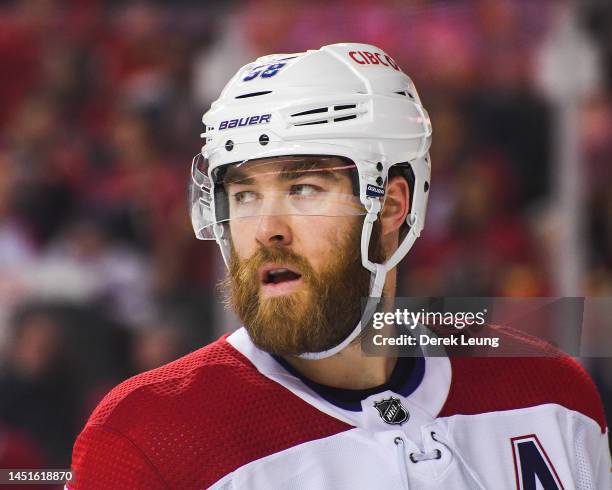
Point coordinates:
pixel 278 275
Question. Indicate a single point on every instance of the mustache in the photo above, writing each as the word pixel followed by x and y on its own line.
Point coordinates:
pixel 248 269
pixel 244 273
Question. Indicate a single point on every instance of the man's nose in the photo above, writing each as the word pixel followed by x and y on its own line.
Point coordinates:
pixel 273 230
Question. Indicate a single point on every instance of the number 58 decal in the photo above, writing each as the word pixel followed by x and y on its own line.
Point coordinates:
pixel 264 71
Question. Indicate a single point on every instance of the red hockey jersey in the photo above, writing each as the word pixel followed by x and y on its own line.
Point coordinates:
pixel 231 416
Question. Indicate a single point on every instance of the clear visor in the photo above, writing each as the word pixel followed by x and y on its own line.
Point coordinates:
pixel 306 185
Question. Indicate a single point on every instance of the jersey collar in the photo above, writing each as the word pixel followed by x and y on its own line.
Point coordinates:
pixel 425 388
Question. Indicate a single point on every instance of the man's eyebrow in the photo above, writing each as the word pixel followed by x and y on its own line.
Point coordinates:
pixel 329 172
pixel 238 176
pixel 288 172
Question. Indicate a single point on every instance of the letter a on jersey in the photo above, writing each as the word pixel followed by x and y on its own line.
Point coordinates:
pixel 532 465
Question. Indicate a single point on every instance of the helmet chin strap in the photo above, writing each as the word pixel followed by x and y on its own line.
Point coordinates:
pixel 223 242
pixel 378 276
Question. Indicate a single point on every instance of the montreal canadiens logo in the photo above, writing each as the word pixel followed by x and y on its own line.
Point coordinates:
pixel 391 411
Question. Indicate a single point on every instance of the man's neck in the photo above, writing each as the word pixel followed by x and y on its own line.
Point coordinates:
pixel 349 369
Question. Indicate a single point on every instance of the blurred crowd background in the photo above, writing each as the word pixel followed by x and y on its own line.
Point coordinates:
pixel 100 274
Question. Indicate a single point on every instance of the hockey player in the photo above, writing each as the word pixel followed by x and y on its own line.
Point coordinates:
pixel 313 180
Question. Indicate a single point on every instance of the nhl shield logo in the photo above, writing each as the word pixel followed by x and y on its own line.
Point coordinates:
pixel 391 411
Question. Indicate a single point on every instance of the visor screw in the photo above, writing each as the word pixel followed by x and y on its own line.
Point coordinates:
pixel 426 186
pixel 229 145
pixel 264 139
pixel 379 181
pixel 379 166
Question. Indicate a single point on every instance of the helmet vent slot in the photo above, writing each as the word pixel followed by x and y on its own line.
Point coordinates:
pixel 345 118
pixel 324 121
pixel 333 113
pixel 253 94
pixel 312 111
pixel 405 93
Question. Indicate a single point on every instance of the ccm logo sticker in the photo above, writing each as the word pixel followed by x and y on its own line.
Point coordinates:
pixel 367 58
pixel 373 191
pixel 245 121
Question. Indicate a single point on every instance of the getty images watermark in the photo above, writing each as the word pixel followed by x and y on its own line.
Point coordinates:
pixel 412 321
pixel 492 326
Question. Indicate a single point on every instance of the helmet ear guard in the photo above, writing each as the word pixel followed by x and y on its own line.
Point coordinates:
pixel 415 220
pixel 404 169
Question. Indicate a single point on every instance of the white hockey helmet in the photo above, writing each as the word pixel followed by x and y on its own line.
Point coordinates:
pixel 344 100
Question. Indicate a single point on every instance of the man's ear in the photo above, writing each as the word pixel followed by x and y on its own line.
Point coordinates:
pixel 397 205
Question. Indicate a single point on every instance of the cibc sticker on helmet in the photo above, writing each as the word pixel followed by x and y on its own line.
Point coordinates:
pixel 373 191
pixel 369 58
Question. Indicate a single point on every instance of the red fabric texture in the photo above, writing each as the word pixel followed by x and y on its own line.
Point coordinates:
pixel 544 375
pixel 189 423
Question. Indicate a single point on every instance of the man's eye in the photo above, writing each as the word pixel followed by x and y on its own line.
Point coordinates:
pixel 304 190
pixel 245 197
